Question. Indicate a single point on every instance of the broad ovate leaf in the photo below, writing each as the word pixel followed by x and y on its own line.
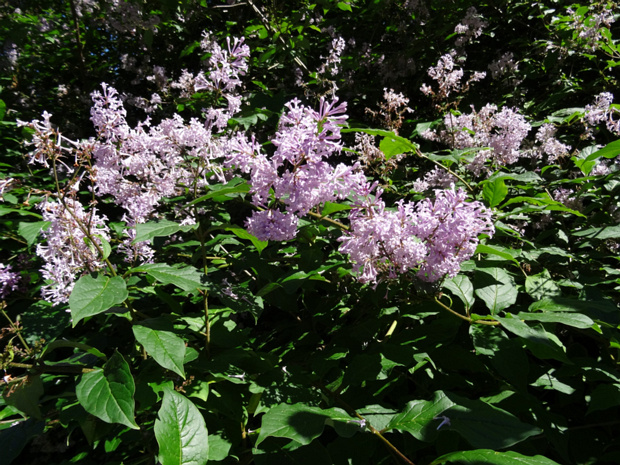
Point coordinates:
pixel 108 393
pixel 187 278
pixel 418 416
pixel 299 422
pixel 165 347
pixel 93 295
pixel 180 431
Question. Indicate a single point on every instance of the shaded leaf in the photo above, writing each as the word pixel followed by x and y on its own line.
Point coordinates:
pixel 541 285
pixel 537 340
pixel 461 287
pixel 298 422
pixel 486 426
pixel 500 293
pixel 418 416
pixel 163 228
pixel 14 439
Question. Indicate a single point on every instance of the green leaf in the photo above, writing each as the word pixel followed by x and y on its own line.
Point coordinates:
pixel 92 296
pixel 30 231
pixel 14 439
pixel 576 320
pixel 189 278
pixel 602 233
pixel 500 292
pixel 147 231
pixel 25 396
pixel 611 150
pixel 537 340
pixel 108 393
pixel 180 431
pixel 298 422
pixel 486 426
pixel 235 187
pixel 331 207
pixel 491 457
pixel 418 417
pixel 603 397
pixel 392 147
pixel 393 138
pixel 461 287
pixel 6 210
pixel 497 251
pixel 165 347
pixel 344 6
pixel 242 233
pixel 494 192
pixel 541 286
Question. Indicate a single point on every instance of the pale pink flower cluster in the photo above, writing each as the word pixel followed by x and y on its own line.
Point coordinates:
pixel 568 198
pixel 446 74
pixel 505 65
pixel 368 152
pixel 602 110
pixel 69 251
pixel 140 166
pixel 298 172
pixel 448 77
pixel 549 145
pixel 431 238
pixel 501 131
pixel 9 280
pixel 226 66
pixel 470 28
pixel 588 27
pixel 332 62
pixel 6 185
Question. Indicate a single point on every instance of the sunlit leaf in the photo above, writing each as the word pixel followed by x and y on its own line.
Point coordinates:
pixel 180 431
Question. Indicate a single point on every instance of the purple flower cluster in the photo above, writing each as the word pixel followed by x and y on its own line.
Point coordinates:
pixel 9 280
pixel 550 146
pixel 431 238
pixel 501 131
pixel 602 111
pixel 298 173
pixel 69 251
pixel 470 28
pixel 448 77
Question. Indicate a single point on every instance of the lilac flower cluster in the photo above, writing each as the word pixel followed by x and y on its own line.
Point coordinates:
pixel 550 146
pixel 391 110
pixel 501 131
pixel 298 172
pixel 69 250
pixel 588 28
pixel 431 238
pixel 504 65
pixel 332 62
pixel 602 111
pixel 470 28
pixel 225 68
pixel 448 77
pixel 9 280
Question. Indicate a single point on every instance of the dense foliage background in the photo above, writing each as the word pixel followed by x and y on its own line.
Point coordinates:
pixel 197 268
